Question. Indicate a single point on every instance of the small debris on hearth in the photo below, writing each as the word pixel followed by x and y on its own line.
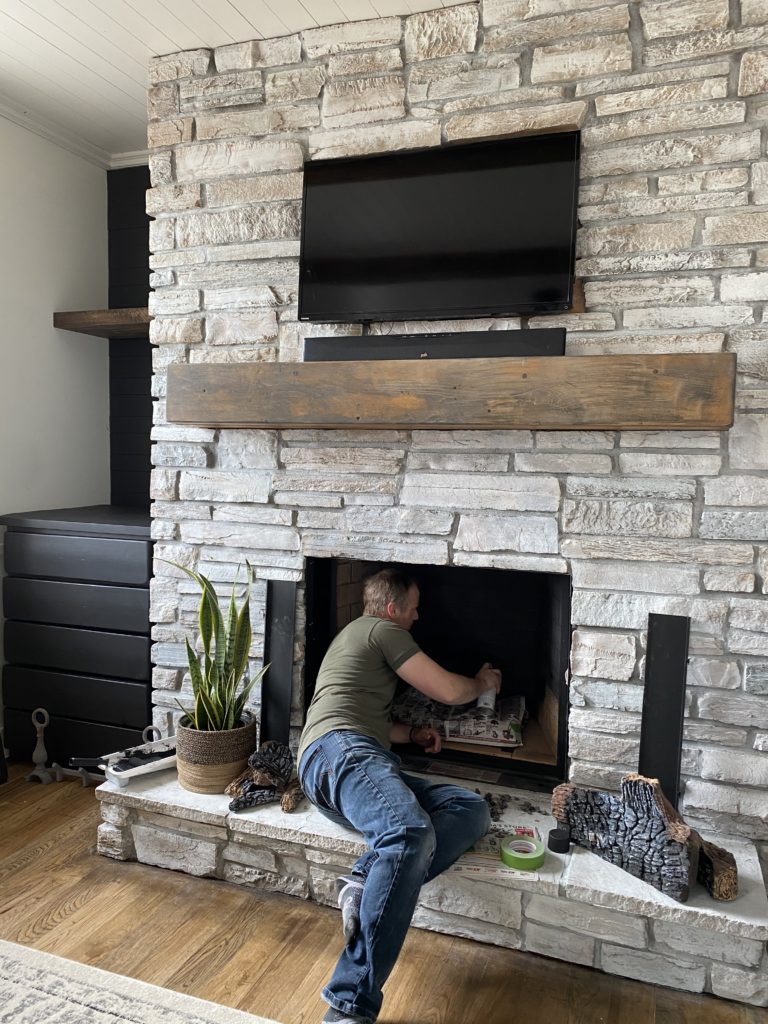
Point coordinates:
pixel 498 803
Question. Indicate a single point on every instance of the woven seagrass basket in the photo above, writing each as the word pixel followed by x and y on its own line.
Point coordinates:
pixel 208 761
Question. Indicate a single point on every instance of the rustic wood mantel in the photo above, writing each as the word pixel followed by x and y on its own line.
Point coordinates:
pixel 622 392
pixel 106 323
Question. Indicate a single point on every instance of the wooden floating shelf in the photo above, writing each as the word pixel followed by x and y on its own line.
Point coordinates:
pixel 106 323
pixel 623 392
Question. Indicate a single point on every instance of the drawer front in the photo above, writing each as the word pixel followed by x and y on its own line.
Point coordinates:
pixel 90 605
pixel 94 698
pixel 58 556
pixel 65 738
pixel 118 655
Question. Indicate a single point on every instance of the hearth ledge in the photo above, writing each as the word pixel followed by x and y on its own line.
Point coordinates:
pixel 577 908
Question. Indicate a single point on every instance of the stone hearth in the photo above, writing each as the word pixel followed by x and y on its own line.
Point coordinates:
pixel 576 908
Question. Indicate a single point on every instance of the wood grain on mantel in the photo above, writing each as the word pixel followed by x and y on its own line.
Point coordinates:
pixel 623 392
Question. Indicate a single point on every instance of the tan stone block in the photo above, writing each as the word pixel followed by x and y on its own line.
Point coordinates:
pixel 471 126
pixel 290 86
pixel 734 228
pixel 236 157
pixel 179 65
pixel 368 63
pixel 663 95
pixel 719 149
pixel 703 44
pixel 361 100
pixel 351 36
pixel 564 62
pixel 622 238
pixel 683 16
pixel 441 33
pixel 169 133
pixel 667 121
pixel 753 73
pixel 376 138
pixel 258 53
pixel 168 198
pixel 561 26
pixel 222 124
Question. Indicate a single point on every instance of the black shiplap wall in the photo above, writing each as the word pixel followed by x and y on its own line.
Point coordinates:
pixel 130 360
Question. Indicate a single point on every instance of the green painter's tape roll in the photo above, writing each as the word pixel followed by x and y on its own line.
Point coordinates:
pixel 522 853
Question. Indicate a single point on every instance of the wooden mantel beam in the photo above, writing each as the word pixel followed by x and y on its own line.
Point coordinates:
pixel 622 392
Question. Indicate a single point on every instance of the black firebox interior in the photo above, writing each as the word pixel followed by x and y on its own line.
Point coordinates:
pixel 517 621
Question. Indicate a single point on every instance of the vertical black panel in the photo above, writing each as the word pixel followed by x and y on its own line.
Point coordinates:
pixel 130 360
pixel 278 653
pixel 661 733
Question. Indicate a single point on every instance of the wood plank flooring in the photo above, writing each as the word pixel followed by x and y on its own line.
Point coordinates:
pixel 270 954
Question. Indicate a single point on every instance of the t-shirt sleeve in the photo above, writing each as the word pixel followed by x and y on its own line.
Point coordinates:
pixel 395 643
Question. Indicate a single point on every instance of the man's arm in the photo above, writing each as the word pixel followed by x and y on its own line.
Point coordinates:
pixel 437 683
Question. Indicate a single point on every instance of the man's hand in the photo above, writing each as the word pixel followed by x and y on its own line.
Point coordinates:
pixel 489 677
pixel 427 738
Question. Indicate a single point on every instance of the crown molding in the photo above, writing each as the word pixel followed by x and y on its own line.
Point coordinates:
pixel 55 133
pixel 134 158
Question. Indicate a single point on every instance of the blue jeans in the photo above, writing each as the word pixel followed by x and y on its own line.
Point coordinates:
pixel 414 830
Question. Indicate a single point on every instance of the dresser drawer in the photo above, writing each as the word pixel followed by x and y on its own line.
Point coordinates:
pixel 111 701
pixel 72 557
pixel 117 655
pixel 91 605
pixel 65 738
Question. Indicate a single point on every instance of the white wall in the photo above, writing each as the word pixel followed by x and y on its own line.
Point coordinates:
pixel 54 389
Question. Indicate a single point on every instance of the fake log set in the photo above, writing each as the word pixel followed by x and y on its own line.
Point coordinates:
pixel 641 832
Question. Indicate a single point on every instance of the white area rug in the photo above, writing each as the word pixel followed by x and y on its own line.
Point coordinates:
pixel 38 988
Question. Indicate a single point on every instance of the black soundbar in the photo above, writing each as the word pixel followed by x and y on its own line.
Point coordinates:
pixel 539 341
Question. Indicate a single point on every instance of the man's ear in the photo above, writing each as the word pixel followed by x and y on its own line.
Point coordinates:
pixel 392 609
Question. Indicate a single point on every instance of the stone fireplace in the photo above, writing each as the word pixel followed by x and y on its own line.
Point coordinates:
pixel 672 253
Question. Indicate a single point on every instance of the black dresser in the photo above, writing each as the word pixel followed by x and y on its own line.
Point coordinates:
pixel 77 633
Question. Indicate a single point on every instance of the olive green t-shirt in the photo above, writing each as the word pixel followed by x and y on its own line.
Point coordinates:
pixel 357 680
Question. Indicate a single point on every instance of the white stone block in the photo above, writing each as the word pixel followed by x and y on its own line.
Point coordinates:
pixel 246 449
pixel 179 65
pixel 291 86
pixel 342 460
pixel 191 854
pixel 603 655
pixel 688 316
pixel 233 124
pixel 380 520
pixel 471 440
pixel 243 224
pixel 559 943
pixel 668 120
pixel 739 491
pixel 241 328
pixel 753 73
pixel 542 462
pixel 596 922
pixel 466 928
pixel 258 53
pixel 258 189
pixel 744 986
pixel 365 63
pixel 223 485
pixel 534 534
pixel 249 856
pixel 646 577
pixel 595 747
pixel 628 487
pixel 270 881
pixel 735 766
pixel 627 518
pixel 486 491
pixel 756 678
pixel 351 36
pixel 615 722
pixel 701 943
pixel 748 442
pixel 710 672
pixel 115 842
pixel 466 896
pixel 654 968
pixel 649 291
pixel 461 462
pixel 241 535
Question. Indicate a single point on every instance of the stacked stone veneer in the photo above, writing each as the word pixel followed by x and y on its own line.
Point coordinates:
pixel 673 250
pixel 576 908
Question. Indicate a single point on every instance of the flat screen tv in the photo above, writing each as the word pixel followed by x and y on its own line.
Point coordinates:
pixel 465 230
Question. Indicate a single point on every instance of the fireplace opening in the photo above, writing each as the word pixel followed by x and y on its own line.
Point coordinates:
pixel 517 621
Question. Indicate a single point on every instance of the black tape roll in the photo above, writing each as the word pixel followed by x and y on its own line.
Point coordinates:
pixel 559 840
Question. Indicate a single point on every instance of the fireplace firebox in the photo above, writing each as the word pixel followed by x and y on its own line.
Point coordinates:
pixel 517 621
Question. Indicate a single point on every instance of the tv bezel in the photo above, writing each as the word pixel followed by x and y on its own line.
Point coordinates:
pixel 447 312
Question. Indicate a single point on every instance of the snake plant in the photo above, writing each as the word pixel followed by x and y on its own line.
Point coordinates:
pixel 218 687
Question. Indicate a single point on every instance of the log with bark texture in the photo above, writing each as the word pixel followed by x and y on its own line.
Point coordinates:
pixel 641 832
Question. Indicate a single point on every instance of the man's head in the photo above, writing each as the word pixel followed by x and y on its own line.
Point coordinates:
pixel 392 594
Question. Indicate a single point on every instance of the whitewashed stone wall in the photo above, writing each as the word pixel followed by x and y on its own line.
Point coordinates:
pixel 673 249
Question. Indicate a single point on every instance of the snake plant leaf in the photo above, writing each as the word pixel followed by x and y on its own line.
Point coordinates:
pixel 194 669
pixel 231 633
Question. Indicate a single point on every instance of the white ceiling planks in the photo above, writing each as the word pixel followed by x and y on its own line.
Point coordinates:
pixel 75 71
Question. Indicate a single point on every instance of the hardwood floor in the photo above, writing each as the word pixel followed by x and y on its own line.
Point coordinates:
pixel 270 954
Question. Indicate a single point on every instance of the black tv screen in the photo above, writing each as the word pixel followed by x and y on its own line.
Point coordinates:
pixel 466 230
